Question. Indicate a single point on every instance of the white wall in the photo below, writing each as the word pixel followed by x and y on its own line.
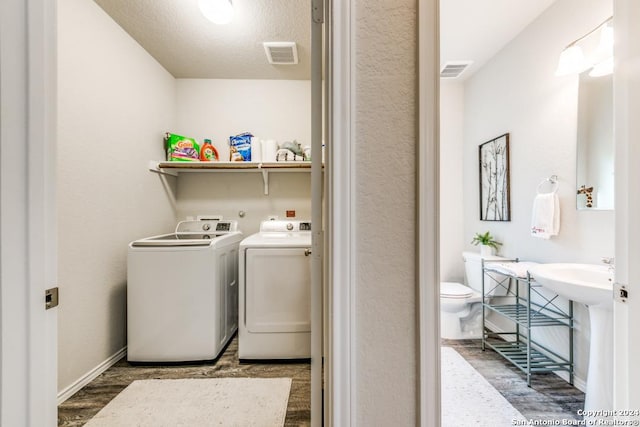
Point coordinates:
pixel 229 193
pixel 269 109
pixel 385 236
pixel 452 238
pixel 518 92
pixel 114 103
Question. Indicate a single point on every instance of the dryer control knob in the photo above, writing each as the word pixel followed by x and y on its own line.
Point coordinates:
pixel 289 226
pixel 206 227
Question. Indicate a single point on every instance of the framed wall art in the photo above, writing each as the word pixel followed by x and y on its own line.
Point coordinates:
pixel 494 179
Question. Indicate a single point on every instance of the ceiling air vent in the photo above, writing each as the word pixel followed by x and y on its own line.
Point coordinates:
pixel 452 70
pixel 281 53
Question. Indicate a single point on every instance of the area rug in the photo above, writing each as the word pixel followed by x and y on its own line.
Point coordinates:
pixel 467 397
pixel 256 402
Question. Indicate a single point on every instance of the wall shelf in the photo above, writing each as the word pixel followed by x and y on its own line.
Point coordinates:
pixel 177 168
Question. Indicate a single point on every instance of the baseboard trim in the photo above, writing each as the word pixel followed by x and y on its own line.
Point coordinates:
pixel 579 383
pixel 91 375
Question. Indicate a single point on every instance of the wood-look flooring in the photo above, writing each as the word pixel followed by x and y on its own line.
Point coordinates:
pixel 549 398
pixel 83 405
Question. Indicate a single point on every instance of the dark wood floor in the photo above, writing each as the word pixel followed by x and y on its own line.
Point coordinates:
pixel 83 405
pixel 549 397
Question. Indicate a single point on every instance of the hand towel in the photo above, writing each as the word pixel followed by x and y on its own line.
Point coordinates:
pixel 286 155
pixel 517 269
pixel 545 219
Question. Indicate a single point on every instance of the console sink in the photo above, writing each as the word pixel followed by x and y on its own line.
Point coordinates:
pixel 591 285
pixel 588 284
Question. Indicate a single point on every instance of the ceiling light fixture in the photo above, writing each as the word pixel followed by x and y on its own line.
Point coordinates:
pixel 217 11
pixel 572 59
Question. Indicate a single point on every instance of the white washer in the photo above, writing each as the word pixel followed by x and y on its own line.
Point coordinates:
pixel 182 293
pixel 275 292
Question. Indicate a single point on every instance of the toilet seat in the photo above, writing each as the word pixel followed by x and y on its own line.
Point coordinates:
pixel 455 290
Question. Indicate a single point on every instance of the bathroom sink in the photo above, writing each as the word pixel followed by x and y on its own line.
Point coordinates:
pixel 591 285
pixel 588 284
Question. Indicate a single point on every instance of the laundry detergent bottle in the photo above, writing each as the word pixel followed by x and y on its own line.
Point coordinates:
pixel 208 152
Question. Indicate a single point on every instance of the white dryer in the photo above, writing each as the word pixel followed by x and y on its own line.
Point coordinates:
pixel 182 292
pixel 275 292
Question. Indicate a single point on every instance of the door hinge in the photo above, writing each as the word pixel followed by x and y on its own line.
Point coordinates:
pixel 51 298
pixel 620 292
pixel 317 11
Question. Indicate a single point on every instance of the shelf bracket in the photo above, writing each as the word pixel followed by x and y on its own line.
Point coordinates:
pixel 265 180
pixel 153 167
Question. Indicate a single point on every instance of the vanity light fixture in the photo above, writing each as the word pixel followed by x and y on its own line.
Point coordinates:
pixel 602 69
pixel 572 59
pixel 606 39
pixel 217 11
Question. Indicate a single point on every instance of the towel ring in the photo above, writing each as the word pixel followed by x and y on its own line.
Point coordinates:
pixel 553 180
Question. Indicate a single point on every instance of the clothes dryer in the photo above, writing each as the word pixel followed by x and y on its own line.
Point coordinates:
pixel 275 292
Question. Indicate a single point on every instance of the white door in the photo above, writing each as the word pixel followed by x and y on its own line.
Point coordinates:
pixel 278 290
pixel 627 140
pixel 28 332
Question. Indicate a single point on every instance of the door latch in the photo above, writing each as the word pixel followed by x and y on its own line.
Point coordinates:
pixel 620 292
pixel 51 298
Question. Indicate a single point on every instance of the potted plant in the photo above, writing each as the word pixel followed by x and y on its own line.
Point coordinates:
pixel 488 245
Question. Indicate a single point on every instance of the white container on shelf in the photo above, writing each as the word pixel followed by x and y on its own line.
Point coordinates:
pixel 269 149
pixel 256 149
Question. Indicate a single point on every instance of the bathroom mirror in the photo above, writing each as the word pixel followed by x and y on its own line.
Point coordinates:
pixel 595 168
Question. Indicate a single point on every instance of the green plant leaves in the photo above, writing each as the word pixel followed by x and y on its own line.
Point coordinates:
pixel 485 239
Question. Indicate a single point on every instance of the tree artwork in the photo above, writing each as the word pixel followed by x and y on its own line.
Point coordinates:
pixel 494 179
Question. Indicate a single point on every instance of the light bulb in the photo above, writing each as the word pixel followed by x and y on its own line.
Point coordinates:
pixel 602 69
pixel 571 61
pixel 217 11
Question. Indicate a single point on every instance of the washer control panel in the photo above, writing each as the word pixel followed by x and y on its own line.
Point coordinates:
pixel 207 226
pixel 224 226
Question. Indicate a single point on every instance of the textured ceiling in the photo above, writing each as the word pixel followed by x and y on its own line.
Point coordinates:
pixel 478 29
pixel 178 36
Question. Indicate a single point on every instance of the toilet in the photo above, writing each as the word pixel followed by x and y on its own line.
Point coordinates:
pixel 460 305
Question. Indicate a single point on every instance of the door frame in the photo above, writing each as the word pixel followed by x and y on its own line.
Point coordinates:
pixel 341 250
pixel 342 370
pixel 28 264
pixel 428 202
pixel 626 86
pixel 29 354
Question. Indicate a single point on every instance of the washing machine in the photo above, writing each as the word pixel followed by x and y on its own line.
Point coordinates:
pixel 182 292
pixel 275 292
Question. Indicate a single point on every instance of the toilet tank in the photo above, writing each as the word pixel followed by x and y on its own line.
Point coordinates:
pixel 473 273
